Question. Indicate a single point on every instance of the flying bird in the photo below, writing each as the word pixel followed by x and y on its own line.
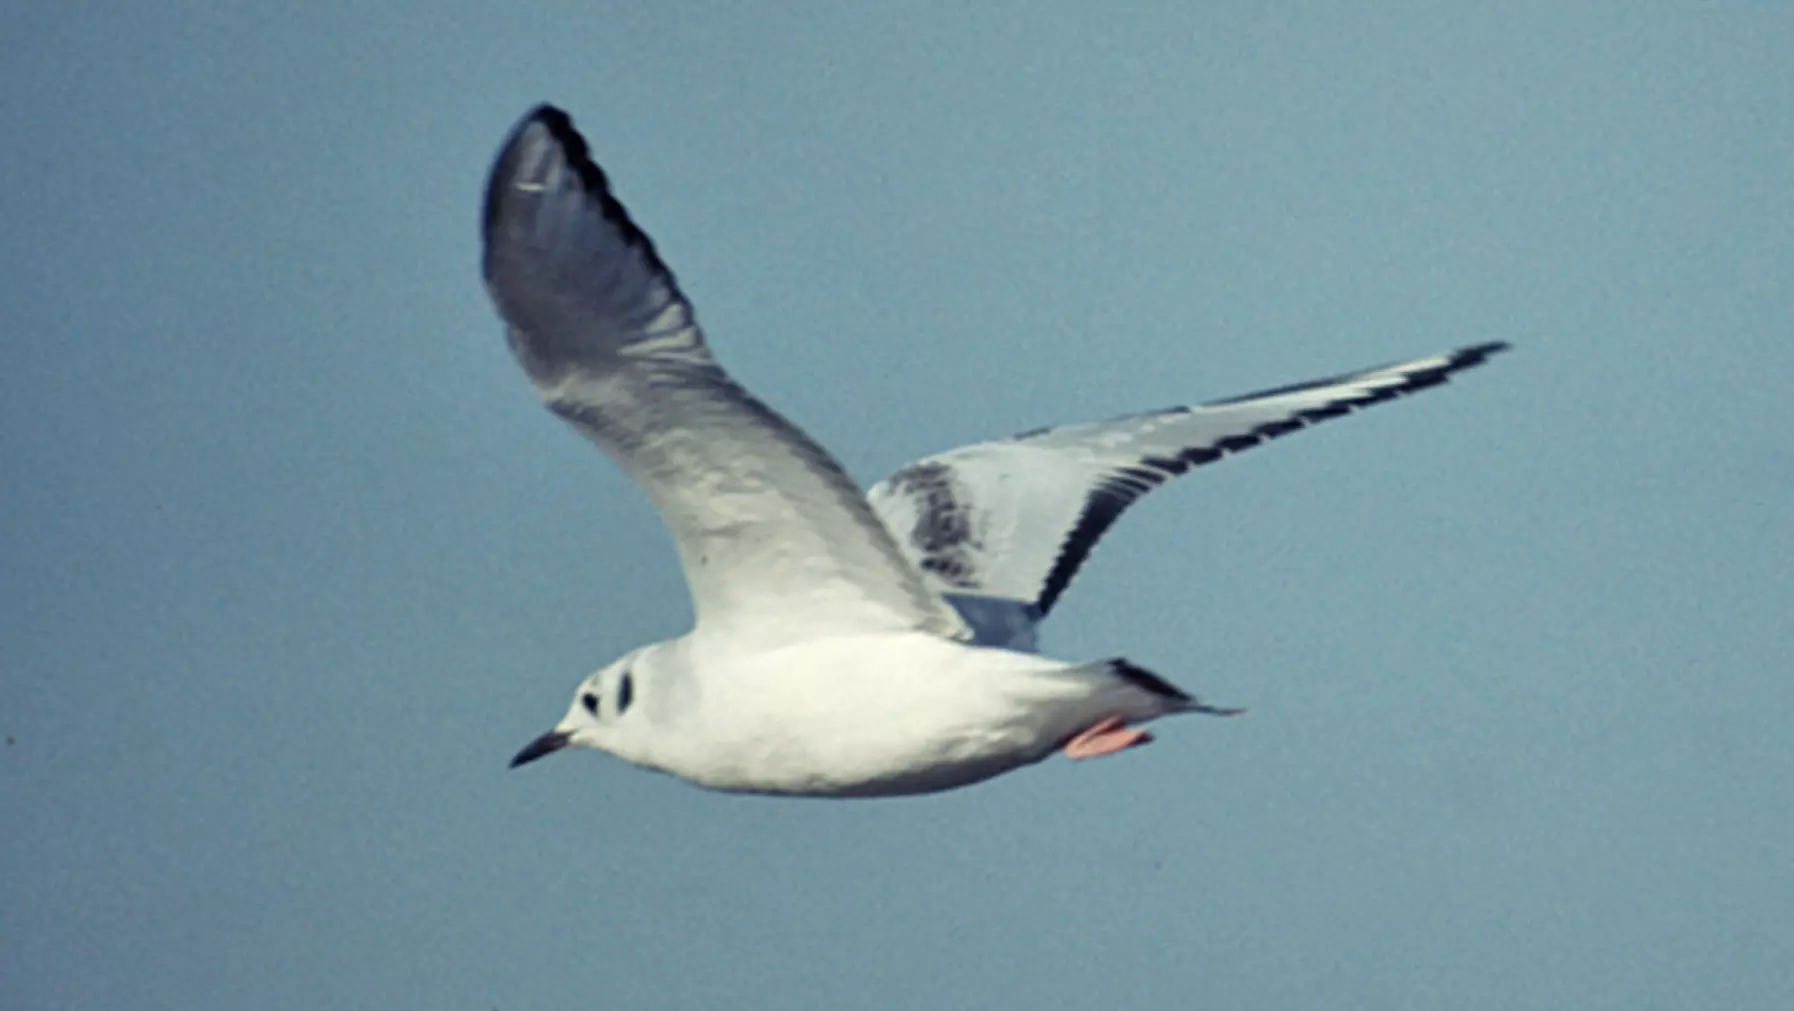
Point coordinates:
pixel 845 644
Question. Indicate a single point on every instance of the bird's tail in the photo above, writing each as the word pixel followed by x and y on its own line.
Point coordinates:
pixel 1177 700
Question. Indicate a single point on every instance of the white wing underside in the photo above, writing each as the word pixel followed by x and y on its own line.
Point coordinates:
pixel 999 528
pixel 778 544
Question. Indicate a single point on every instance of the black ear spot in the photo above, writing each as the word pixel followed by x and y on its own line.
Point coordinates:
pixel 625 693
pixel 590 701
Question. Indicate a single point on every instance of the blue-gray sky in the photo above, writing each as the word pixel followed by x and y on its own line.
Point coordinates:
pixel 292 562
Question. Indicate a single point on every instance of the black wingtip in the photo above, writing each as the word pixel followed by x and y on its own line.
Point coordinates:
pixel 573 147
pixel 550 113
pixel 560 126
pixel 1476 354
pixel 578 157
pixel 1455 362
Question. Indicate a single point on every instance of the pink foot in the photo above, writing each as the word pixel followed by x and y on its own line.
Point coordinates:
pixel 1105 737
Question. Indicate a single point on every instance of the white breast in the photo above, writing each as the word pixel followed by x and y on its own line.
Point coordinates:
pixel 869 715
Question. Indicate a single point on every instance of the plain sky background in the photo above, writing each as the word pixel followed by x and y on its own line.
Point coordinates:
pixel 292 562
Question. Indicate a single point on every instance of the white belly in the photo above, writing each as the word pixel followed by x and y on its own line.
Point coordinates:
pixel 875 715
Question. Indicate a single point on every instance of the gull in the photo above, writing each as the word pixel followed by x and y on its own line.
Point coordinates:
pixel 844 644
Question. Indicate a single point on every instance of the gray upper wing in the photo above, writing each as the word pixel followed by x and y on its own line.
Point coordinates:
pixel 777 542
pixel 1001 527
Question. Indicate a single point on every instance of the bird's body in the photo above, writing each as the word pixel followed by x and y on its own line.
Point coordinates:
pixel 844 645
pixel 865 715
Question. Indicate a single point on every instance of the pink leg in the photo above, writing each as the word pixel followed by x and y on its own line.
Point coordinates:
pixel 1105 737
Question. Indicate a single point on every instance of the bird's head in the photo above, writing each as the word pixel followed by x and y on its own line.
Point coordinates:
pixel 603 714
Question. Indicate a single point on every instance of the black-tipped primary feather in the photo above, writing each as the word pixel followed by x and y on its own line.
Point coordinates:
pixel 1007 524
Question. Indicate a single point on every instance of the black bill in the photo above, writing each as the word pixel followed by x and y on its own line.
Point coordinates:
pixel 547 744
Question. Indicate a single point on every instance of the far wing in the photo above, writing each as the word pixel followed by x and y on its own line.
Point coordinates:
pixel 1000 528
pixel 777 542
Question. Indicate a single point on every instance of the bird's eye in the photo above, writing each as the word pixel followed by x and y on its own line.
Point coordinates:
pixel 590 701
pixel 625 693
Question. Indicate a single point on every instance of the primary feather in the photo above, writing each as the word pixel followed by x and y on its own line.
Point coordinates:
pixel 1000 528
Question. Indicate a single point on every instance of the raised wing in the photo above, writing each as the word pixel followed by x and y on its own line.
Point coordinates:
pixel 1000 528
pixel 777 542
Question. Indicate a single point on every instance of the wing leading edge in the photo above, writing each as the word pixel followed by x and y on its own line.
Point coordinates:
pixel 777 542
pixel 1000 528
